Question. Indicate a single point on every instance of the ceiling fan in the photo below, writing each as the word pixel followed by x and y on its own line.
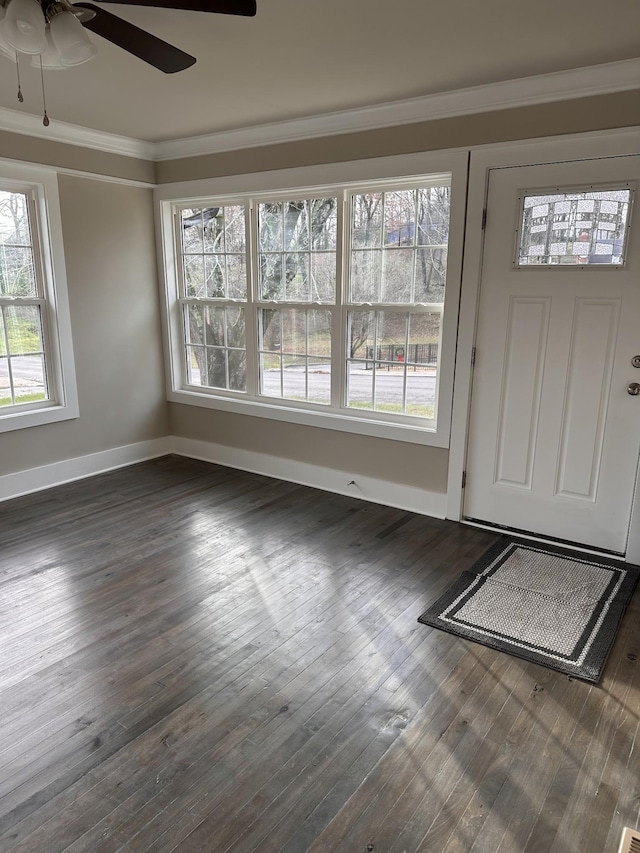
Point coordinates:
pixel 40 27
pixel 142 44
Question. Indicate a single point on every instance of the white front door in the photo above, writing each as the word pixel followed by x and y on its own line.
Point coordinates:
pixel 554 433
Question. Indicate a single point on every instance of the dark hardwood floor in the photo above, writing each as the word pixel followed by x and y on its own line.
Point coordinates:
pixel 200 659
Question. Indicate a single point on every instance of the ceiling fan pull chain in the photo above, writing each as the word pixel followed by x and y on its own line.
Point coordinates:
pixel 20 96
pixel 45 120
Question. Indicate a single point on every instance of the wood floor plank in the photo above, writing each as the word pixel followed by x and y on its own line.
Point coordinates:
pixel 295 745
pixel 617 745
pixel 398 788
pixel 602 724
pixel 297 790
pixel 447 799
pixel 597 702
pixel 432 714
pixel 196 658
pixel 221 590
pixel 373 672
pixel 164 697
pixel 273 719
pixel 489 774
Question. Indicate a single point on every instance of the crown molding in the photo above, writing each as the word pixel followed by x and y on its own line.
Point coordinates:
pixel 525 91
pixel 28 124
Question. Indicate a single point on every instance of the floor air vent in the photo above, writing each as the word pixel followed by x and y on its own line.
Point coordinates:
pixel 630 841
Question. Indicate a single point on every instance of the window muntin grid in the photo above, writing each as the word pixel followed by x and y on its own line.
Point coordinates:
pixel 23 357
pixel 392 365
pixel 213 287
pixel 214 252
pixel 295 353
pixel 399 241
pixel 291 357
pixel 297 267
pixel 297 240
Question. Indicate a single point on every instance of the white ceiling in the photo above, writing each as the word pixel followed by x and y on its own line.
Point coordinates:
pixel 300 58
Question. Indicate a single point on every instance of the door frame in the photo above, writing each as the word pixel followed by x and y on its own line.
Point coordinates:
pixel 484 159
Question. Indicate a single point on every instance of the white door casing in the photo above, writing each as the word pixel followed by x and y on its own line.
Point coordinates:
pixel 554 435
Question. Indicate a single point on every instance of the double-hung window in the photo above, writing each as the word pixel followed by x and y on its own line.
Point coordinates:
pixel 214 287
pixel 322 306
pixel 37 383
pixel 296 298
pixel 397 276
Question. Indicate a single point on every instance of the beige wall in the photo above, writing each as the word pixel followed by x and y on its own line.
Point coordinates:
pixel 396 461
pixel 113 296
pixel 43 152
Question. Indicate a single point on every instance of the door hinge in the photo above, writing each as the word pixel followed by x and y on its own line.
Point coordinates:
pixel 464 479
pixel 473 356
pixel 484 218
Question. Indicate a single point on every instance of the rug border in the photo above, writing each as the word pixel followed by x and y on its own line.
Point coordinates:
pixel 592 668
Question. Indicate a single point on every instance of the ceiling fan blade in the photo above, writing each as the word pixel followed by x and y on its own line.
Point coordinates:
pixel 222 7
pixel 140 43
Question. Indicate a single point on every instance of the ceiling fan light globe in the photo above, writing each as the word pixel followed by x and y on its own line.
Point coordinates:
pixel 5 47
pixel 79 54
pixel 23 26
pixel 71 40
pixel 50 58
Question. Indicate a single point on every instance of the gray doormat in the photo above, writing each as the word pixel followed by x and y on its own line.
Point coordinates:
pixel 555 607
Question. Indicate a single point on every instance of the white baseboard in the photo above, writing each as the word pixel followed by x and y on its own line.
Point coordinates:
pixel 67 470
pixel 317 476
pixel 328 479
pixel 370 489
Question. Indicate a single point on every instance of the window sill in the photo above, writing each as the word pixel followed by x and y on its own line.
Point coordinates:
pixel 342 422
pixel 37 417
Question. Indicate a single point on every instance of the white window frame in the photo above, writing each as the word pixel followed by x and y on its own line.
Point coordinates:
pixel 322 181
pixel 41 185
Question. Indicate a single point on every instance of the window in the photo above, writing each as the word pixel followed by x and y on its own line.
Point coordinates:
pixel 398 262
pixel 323 306
pixel 297 243
pixel 214 276
pixel 574 228
pixel 33 312
pixel 23 375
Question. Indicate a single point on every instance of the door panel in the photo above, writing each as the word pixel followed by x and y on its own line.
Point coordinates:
pixel 554 436
pixel 527 329
pixel 593 342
